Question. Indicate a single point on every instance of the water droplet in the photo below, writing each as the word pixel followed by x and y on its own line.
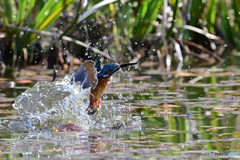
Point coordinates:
pixel 68 59
pixel 52 48
pixel 105 97
pixel 119 95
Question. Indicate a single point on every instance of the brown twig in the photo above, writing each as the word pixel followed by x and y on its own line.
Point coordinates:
pixel 66 38
pixel 198 56
pixel 203 49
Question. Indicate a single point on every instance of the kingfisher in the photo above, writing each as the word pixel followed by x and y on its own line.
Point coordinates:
pixel 90 75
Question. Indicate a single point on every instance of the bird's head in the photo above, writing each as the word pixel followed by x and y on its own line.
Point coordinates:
pixel 109 69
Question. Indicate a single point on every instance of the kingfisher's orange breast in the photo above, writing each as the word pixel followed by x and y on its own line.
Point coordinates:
pixel 100 89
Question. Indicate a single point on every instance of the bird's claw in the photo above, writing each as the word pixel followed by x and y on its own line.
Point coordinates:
pixel 117 127
pixel 91 111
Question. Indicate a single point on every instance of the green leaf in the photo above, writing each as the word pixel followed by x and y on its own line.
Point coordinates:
pixel 30 7
pixel 21 11
pixel 211 16
pixel 8 16
pixel 225 26
pixel 146 14
pixel 50 12
pixel 43 13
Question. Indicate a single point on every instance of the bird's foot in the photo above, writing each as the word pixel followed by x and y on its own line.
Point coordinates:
pixel 91 111
pixel 117 127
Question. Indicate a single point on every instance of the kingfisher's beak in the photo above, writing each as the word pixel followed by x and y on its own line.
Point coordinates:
pixel 128 64
pixel 122 66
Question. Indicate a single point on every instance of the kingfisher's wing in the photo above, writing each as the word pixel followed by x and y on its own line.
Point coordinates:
pixel 86 75
pixel 81 75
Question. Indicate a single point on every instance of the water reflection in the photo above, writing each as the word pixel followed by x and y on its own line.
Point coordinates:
pixel 163 120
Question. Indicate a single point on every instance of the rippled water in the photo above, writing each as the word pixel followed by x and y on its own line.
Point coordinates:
pixel 186 117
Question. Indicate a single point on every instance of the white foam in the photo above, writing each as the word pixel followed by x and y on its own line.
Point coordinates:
pixel 51 104
pixel 48 104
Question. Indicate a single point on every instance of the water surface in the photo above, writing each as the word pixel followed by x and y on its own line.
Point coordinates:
pixel 192 114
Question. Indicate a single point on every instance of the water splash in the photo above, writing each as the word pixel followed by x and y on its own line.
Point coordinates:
pixel 50 104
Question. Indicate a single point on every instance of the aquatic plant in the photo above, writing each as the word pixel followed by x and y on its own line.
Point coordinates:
pixel 131 29
pixel 28 20
pixel 29 14
pixel 203 30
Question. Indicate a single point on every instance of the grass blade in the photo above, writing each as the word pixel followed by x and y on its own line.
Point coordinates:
pixel 225 26
pixel 54 15
pixel 8 17
pixel 21 11
pixel 30 7
pixel 43 13
pixel 146 14
pixel 94 8
pixel 170 31
pixel 197 8
pixel 211 16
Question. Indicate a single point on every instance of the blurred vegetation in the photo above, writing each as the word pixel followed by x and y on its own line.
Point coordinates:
pixel 54 32
pixel 31 14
